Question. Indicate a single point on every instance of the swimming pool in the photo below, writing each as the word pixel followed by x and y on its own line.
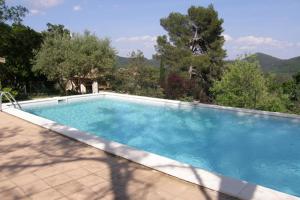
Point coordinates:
pixel 261 149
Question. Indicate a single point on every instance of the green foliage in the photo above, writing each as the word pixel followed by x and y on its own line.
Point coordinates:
pixel 13 92
pixel 138 77
pixel 17 44
pixel 91 56
pixel 55 29
pixel 14 13
pixel 243 85
pixel 52 60
pixel 162 73
pixel 124 61
pixel 291 88
pixel 62 57
pixel 180 49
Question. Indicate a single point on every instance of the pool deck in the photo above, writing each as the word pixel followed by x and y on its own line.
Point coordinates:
pixel 36 163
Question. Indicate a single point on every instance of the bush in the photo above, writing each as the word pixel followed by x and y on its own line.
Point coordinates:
pixel 244 85
pixel 175 86
pixel 14 93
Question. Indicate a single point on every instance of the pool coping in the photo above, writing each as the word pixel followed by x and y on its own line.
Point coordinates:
pixel 230 186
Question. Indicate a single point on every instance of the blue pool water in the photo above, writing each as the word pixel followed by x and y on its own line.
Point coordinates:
pixel 263 150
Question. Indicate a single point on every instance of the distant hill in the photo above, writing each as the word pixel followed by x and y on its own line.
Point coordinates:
pixel 269 64
pixel 123 61
pixel 284 67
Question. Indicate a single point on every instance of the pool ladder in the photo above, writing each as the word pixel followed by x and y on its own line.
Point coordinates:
pixel 10 98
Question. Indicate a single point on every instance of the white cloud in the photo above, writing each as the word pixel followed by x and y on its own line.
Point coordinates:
pixel 253 44
pixel 246 47
pixel 36 12
pixel 44 3
pixel 144 43
pixel 255 41
pixel 144 38
pixel 265 41
pixel 227 37
pixel 77 8
pixel 38 7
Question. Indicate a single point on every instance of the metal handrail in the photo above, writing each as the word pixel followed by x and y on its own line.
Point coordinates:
pixel 10 98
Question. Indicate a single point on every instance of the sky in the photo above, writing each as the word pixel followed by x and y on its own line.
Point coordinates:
pixel 268 26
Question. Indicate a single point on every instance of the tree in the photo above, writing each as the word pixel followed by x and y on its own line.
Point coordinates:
pixel 14 13
pixel 194 44
pixel 63 57
pixel 243 85
pixel 292 89
pixel 18 44
pixel 55 29
pixel 91 56
pixel 52 60
pixel 138 77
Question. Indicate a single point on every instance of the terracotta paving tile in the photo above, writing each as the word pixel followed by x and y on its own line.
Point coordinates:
pixel 137 186
pixel 17 171
pixel 152 194
pixel 77 173
pixel 109 195
pixel 46 172
pixel 145 175
pixel 57 179
pixel 91 180
pixel 24 179
pixel 168 184
pixel 201 193
pixel 102 188
pixel 85 194
pixel 49 194
pixel 70 187
pixel 105 174
pixel 2 177
pixel 46 165
pixel 6 185
pixel 95 166
pixel 151 178
pixel 65 166
pixel 34 187
pixel 13 194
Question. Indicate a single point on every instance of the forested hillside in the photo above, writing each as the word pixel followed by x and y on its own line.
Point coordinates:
pixel 124 61
pixel 286 67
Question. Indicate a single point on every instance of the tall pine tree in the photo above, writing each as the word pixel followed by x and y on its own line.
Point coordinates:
pixel 193 47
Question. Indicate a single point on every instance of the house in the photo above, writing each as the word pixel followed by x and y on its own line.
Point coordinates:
pixel 91 83
pixel 2 60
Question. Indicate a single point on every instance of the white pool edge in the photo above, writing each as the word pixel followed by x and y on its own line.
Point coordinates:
pixel 226 185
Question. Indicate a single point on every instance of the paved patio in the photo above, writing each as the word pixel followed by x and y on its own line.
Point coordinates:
pixel 39 164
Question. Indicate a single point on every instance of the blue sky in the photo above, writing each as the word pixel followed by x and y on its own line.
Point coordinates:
pixel 269 26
